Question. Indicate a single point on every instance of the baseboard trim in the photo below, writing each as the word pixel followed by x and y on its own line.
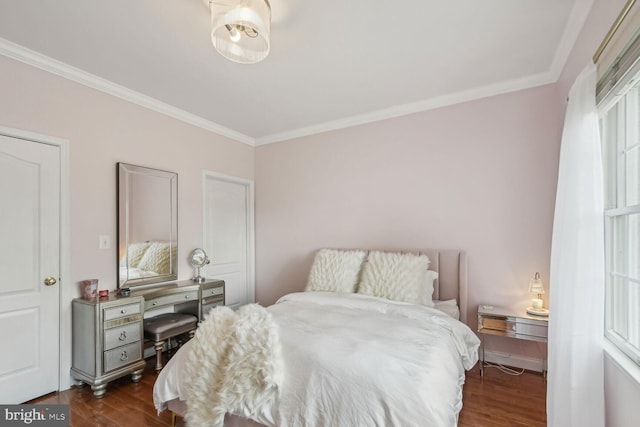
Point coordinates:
pixel 516 361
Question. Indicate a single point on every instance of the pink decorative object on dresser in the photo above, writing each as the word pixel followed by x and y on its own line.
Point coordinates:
pixel 89 288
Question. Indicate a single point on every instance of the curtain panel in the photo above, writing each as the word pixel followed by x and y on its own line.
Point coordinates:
pixel 575 388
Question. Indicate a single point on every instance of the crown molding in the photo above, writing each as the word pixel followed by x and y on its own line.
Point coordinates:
pixel 414 107
pixel 43 62
pixel 575 23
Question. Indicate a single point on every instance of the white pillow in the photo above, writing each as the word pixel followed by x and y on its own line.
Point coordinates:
pixel 134 254
pixel 335 270
pixel 157 258
pixel 395 276
pixel 427 289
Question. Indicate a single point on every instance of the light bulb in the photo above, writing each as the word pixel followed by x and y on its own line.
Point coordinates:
pixel 234 34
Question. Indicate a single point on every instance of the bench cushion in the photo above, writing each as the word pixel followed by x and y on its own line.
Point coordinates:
pixel 167 325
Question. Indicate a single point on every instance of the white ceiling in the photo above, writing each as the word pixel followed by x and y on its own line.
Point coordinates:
pixel 332 63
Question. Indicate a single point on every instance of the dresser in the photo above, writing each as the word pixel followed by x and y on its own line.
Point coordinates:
pixel 107 340
pixel 108 333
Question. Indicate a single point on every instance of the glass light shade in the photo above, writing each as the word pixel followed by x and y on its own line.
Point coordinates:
pixel 535 285
pixel 240 29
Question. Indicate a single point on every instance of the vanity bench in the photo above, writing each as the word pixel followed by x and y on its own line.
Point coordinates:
pixel 164 327
pixel 176 309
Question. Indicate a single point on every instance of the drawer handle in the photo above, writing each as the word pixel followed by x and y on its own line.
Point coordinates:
pixel 155 303
pixel 123 336
pixel 123 311
pixel 186 297
pixel 124 356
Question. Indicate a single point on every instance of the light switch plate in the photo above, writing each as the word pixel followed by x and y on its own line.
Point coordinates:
pixel 105 241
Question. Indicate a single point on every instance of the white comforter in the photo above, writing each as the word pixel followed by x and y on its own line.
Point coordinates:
pixel 354 360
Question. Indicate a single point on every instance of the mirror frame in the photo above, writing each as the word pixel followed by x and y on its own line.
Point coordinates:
pixel 124 199
pixel 192 258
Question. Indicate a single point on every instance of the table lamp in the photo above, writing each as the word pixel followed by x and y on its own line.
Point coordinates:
pixel 535 287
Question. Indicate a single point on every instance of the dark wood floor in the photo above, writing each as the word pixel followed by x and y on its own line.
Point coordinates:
pixel 501 400
pixel 497 400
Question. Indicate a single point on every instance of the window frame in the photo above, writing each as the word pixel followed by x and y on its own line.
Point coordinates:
pixel 622 327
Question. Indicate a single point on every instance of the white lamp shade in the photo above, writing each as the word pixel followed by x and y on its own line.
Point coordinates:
pixel 535 285
pixel 240 29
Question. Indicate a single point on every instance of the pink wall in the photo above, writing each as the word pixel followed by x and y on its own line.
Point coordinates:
pixel 103 130
pixel 479 176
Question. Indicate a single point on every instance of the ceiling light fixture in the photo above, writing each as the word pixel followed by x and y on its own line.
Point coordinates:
pixel 240 29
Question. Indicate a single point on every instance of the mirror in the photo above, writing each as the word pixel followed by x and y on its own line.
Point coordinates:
pixel 147 225
pixel 198 260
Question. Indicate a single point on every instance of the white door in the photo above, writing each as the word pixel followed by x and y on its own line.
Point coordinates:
pixel 29 250
pixel 228 235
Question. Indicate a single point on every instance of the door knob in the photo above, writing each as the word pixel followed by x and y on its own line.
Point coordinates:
pixel 49 281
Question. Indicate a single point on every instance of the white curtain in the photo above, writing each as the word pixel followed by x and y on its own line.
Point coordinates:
pixel 575 388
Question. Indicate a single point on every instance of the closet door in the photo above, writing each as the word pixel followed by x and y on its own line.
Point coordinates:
pixel 30 268
pixel 229 235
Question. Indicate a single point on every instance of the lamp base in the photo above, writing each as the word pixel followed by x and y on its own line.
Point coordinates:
pixel 544 312
pixel 199 279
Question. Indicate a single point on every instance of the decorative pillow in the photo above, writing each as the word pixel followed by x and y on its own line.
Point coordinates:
pixel 157 258
pixel 395 276
pixel 426 298
pixel 335 270
pixel 134 254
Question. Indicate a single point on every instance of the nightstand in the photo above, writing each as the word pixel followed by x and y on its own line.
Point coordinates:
pixel 506 322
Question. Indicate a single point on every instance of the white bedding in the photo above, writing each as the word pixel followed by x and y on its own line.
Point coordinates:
pixel 449 307
pixel 358 360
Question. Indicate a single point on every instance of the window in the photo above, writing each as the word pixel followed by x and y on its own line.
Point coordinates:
pixel 620 128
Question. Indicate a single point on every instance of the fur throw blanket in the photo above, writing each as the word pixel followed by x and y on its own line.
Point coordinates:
pixel 234 366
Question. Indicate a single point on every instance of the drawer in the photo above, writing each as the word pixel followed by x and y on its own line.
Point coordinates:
pixel 217 300
pixel 122 356
pixel 121 311
pixel 171 299
pixel 212 292
pixel 533 330
pixel 495 323
pixel 122 335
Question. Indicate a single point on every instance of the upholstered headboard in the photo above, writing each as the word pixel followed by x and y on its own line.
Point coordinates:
pixel 451 265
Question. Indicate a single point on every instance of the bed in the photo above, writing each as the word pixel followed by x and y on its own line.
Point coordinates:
pixel 373 340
